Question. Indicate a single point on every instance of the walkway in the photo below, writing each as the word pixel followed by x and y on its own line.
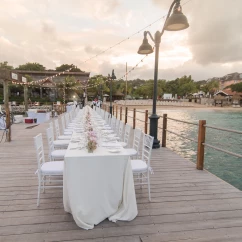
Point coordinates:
pixel 187 204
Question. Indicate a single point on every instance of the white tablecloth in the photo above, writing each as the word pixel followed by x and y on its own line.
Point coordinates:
pixel 69 108
pixel 41 117
pixel 98 186
pixel 2 123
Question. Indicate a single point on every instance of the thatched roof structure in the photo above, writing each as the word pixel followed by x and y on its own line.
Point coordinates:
pixel 236 97
pixel 118 93
pixel 219 98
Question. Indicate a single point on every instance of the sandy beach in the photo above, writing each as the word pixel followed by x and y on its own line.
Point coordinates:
pixel 194 107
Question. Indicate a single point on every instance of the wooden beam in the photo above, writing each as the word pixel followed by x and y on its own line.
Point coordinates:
pixel 6 103
pixel 25 98
pixel 200 146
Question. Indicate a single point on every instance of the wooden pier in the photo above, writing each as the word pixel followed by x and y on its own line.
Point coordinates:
pixel 187 205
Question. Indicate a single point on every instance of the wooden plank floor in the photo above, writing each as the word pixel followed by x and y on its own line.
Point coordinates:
pixel 187 204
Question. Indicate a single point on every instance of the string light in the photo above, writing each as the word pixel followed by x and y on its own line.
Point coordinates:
pixel 102 52
pixel 129 37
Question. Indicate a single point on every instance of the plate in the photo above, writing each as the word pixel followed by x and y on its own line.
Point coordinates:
pixel 114 150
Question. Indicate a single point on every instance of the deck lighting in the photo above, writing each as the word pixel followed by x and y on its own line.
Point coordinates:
pixel 175 22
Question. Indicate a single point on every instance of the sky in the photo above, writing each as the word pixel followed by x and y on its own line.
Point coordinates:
pixel 55 32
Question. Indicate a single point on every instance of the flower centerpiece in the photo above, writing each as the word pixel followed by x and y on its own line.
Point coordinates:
pixel 91 135
pixel 91 144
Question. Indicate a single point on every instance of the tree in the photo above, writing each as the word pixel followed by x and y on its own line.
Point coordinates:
pixel 5 65
pixel 236 87
pixel 66 67
pixel 181 86
pixel 210 87
pixel 31 67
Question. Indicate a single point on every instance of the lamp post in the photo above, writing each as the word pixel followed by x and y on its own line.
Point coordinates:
pixel 174 22
pixel 101 92
pixel 113 77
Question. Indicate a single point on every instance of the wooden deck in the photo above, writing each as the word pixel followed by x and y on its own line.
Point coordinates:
pixel 187 204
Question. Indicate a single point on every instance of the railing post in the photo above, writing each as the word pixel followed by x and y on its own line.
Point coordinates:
pixel 200 146
pixel 164 130
pixel 134 118
pixel 121 113
pixel 126 115
pixel 116 111
pixel 146 121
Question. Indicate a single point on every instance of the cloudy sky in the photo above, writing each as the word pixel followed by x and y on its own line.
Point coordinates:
pixel 55 32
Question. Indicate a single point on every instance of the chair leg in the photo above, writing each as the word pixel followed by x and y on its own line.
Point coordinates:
pixel 140 180
pixel 39 188
pixel 44 184
pixel 148 178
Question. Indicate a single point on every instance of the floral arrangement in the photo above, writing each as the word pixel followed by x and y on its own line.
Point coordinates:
pixel 91 142
pixel 91 135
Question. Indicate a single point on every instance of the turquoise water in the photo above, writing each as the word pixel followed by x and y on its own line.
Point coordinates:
pixel 227 167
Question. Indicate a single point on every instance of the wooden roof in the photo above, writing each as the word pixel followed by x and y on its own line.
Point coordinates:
pixel 219 97
pixel 118 93
pixel 231 93
pixel 48 83
pixel 51 73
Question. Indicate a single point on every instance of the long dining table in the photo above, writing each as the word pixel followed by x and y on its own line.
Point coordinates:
pixel 97 185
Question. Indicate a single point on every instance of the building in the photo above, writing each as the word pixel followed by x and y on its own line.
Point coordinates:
pixel 51 78
pixel 38 75
pixel 229 79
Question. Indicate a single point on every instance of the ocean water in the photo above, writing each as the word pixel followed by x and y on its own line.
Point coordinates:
pixel 227 167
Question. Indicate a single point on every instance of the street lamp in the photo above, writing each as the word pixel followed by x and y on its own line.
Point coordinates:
pixel 174 22
pixel 101 91
pixel 113 77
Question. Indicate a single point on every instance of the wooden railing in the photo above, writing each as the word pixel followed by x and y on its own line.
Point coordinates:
pixel 201 134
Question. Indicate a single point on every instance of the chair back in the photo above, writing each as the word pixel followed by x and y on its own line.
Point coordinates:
pixel 62 123
pixel 113 123
pixel 52 126
pixel 107 117
pixel 71 115
pixel 147 148
pixel 121 130
pixel 137 138
pixel 50 140
pixel 76 112
pixel 57 128
pixel 127 134
pixel 67 119
pixel 102 113
pixel 38 142
pixel 117 124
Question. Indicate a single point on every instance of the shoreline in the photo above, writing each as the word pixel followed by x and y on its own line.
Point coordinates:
pixel 195 107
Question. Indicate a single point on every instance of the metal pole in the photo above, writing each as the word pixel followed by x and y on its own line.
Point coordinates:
pixel 6 103
pixel 164 130
pixel 126 84
pixel 154 117
pixel 111 107
pixel 25 98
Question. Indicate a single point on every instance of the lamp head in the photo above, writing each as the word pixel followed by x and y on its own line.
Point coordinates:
pixel 113 75
pixel 145 48
pixel 177 21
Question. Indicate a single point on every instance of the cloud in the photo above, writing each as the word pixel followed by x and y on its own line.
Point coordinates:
pixel 215 32
pixel 54 32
